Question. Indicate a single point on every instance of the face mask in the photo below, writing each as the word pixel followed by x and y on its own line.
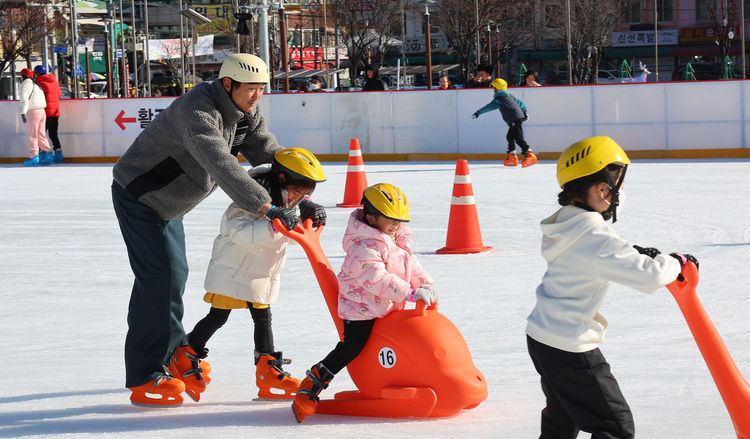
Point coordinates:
pixel 314 86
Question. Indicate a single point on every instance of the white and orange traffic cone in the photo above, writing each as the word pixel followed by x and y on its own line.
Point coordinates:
pixel 464 235
pixel 356 179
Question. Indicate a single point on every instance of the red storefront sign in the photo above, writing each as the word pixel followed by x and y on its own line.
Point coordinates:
pixel 702 35
pixel 307 58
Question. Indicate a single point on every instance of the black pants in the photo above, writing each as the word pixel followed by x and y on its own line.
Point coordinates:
pixel 582 394
pixel 356 334
pixel 156 249
pixel 515 135
pixel 216 318
pixel 51 126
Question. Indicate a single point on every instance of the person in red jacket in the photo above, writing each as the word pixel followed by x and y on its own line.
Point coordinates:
pixel 51 88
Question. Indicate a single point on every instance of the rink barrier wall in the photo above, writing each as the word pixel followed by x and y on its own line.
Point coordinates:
pixel 653 120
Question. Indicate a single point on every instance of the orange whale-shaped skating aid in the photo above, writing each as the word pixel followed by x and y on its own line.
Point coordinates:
pixel 733 388
pixel 415 364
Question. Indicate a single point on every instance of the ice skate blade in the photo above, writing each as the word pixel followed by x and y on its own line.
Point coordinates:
pixel 267 395
pixel 157 405
pixel 259 399
pixel 166 401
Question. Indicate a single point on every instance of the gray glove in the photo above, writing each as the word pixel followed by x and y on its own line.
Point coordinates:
pixel 433 290
pixel 428 293
pixel 23 118
pixel 287 216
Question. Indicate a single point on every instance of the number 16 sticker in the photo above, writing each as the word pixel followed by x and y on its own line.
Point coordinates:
pixel 387 357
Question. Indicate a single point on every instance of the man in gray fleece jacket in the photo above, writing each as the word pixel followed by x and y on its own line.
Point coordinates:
pixel 175 163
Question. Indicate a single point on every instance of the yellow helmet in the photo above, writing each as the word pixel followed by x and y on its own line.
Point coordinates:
pixel 299 164
pixel 387 200
pixel 499 84
pixel 244 67
pixel 588 156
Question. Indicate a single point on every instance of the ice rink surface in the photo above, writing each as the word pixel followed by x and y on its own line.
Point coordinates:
pixel 66 283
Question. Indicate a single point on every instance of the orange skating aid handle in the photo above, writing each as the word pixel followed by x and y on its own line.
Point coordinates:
pixel 733 388
pixel 309 239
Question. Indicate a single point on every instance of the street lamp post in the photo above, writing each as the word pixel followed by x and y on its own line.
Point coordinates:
pixel 428 43
pixel 135 48
pixel 285 48
pixel 489 43
pixel 145 50
pixel 656 42
pixel 123 56
pixel 570 57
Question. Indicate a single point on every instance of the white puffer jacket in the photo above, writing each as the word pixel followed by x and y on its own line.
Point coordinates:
pixel 247 258
pixel 32 97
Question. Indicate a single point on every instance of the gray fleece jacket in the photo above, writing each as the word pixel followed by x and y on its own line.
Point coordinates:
pixel 185 152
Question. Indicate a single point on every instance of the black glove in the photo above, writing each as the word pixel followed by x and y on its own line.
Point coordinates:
pixel 685 258
pixel 651 252
pixel 287 216
pixel 475 115
pixel 23 118
pixel 308 209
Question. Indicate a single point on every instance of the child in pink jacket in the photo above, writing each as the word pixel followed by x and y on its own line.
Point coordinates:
pixel 378 275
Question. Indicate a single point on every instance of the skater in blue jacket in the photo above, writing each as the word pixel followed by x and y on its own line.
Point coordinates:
pixel 514 114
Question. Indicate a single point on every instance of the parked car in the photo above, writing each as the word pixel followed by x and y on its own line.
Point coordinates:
pixel 608 77
pixel 702 70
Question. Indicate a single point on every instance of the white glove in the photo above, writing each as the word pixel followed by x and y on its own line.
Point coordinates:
pixel 428 293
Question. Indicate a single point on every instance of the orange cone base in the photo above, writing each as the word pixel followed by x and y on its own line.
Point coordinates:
pixel 394 402
pixel 348 205
pixel 461 251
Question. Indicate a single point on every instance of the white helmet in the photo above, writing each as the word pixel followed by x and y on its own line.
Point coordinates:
pixel 244 67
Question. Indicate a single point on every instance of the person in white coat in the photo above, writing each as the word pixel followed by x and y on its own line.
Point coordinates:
pixel 247 259
pixel 583 256
pixel 33 115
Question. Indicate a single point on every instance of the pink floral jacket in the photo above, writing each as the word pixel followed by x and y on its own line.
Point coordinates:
pixel 378 272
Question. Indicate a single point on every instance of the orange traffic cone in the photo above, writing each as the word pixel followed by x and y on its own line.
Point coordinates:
pixel 464 235
pixel 356 179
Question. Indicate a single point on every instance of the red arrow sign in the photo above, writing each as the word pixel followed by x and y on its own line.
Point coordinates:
pixel 121 121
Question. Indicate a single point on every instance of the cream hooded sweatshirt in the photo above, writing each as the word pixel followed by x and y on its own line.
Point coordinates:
pixel 583 256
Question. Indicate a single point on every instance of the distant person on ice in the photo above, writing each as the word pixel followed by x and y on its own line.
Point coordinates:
pixel 247 259
pixel 184 154
pixel 48 83
pixel 514 114
pixel 33 104
pixel 378 275
pixel 583 256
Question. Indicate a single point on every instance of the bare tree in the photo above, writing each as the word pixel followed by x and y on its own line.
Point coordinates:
pixel 368 27
pixel 22 27
pixel 723 23
pixel 461 20
pixel 591 25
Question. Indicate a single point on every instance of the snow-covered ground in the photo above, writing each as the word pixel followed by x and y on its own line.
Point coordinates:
pixel 66 283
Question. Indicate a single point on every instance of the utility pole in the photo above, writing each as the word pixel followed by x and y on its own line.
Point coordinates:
pixel 570 56
pixel 135 49
pixel 145 50
pixel 263 39
pixel 656 41
pixel 74 44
